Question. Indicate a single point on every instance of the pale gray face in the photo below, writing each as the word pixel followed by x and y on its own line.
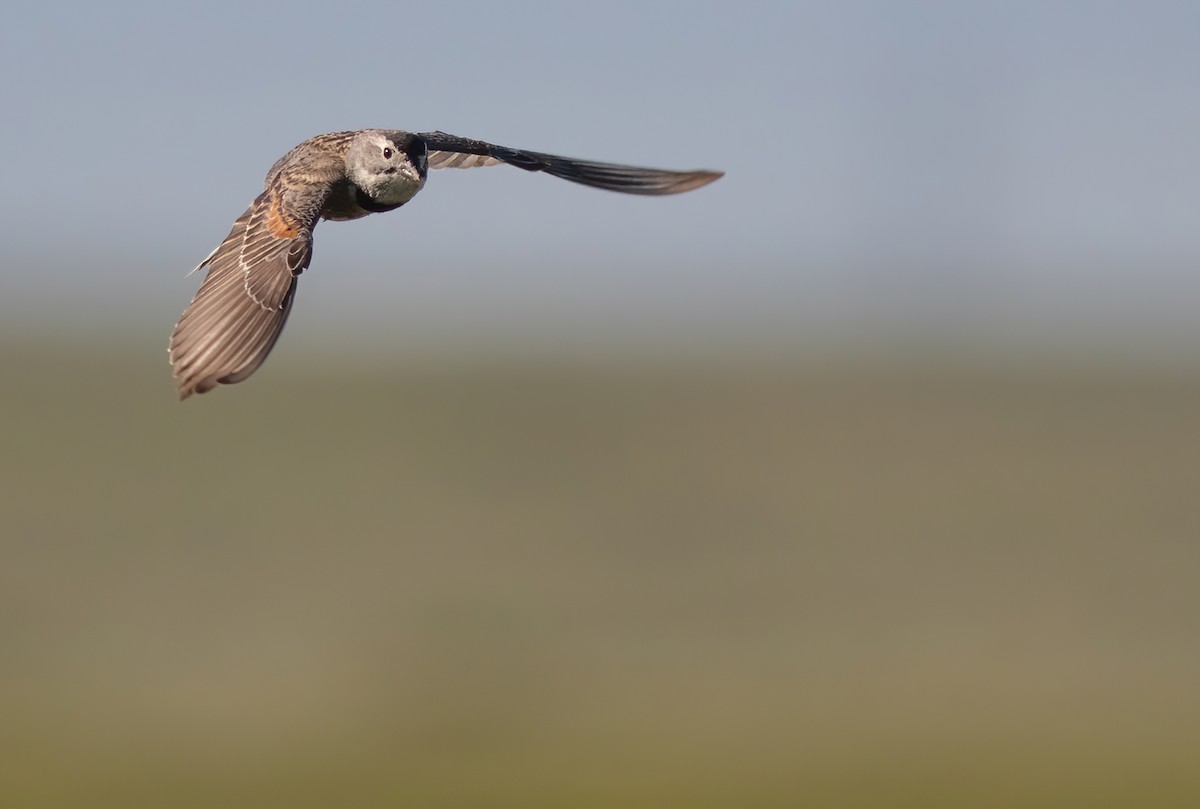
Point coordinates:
pixel 389 167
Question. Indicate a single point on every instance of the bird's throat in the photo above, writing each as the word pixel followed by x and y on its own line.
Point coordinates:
pixel 373 206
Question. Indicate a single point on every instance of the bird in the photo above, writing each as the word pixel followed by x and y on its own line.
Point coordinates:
pixel 236 316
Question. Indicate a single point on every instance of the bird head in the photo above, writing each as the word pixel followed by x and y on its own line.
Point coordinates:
pixel 388 166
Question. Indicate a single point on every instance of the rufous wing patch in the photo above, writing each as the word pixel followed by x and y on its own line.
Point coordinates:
pixel 276 223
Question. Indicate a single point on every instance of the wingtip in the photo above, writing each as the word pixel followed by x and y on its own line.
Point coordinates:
pixel 696 179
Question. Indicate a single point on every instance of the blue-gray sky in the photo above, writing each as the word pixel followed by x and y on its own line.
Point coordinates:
pixel 977 170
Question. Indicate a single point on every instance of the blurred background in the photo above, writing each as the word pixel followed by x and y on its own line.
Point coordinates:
pixel 864 477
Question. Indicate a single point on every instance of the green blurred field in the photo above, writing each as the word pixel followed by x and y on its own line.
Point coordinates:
pixel 546 585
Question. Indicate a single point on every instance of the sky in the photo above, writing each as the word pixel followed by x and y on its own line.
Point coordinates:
pixel 1010 172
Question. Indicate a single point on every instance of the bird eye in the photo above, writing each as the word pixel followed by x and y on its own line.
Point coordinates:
pixel 387 153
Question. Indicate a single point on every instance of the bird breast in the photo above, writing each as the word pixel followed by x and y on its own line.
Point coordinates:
pixel 349 201
pixel 396 188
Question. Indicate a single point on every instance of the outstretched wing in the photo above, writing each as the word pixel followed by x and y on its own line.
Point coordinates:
pixel 236 317
pixel 450 151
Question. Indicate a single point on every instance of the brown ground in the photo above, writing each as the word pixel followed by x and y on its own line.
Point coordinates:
pixel 522 585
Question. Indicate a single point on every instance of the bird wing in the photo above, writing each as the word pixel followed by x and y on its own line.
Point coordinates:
pixel 236 317
pixel 450 151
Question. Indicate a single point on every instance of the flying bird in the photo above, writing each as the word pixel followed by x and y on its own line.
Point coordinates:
pixel 236 316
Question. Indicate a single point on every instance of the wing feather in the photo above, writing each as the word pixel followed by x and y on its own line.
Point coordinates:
pixel 237 315
pixel 451 151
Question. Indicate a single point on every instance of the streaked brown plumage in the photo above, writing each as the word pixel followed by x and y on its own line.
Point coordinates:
pixel 239 311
